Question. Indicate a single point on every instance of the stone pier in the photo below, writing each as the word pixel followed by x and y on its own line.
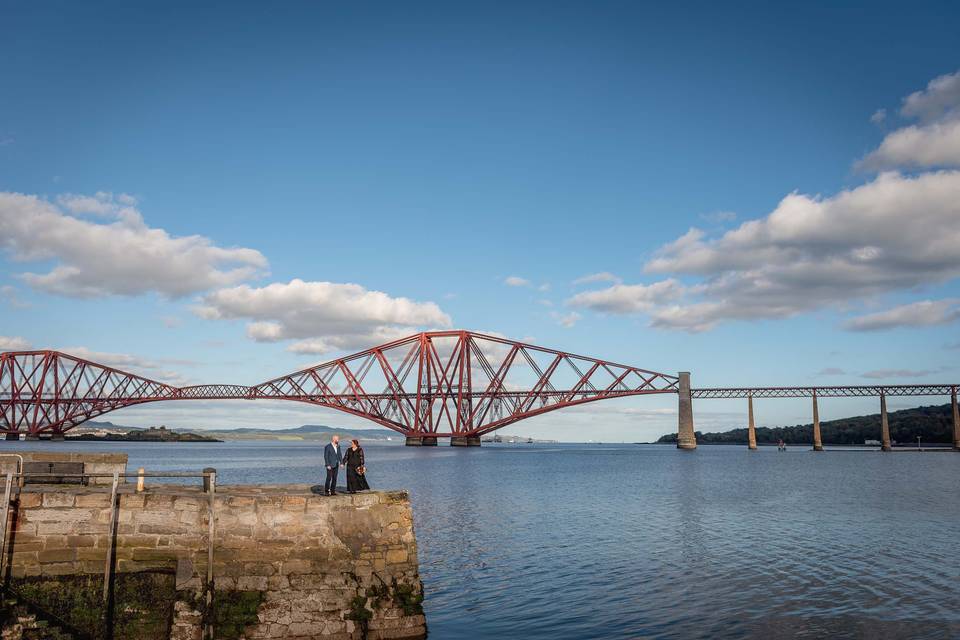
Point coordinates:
pixel 817 441
pixel 956 419
pixel 421 441
pixel 465 441
pixel 286 563
pixel 686 438
pixel 884 425
pixel 751 426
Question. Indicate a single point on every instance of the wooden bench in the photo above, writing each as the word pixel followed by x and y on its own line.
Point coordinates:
pixel 64 473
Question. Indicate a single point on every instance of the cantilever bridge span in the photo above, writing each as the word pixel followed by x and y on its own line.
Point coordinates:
pixel 456 384
pixel 439 384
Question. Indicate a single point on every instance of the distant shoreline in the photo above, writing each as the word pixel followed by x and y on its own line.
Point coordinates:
pixel 133 437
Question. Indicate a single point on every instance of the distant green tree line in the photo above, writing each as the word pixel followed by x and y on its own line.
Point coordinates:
pixel 933 425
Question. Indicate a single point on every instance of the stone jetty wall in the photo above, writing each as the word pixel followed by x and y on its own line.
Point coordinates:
pixel 287 563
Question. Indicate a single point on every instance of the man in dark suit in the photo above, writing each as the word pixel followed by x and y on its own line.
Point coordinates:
pixel 333 459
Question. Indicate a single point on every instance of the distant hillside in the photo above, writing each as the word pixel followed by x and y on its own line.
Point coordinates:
pixel 152 434
pixel 933 424
pixel 304 432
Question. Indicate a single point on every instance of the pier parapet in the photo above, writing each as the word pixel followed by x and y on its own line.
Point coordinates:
pixel 287 563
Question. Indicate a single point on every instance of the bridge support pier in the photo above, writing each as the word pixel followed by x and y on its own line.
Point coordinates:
pixel 56 437
pixel 31 437
pixel 751 426
pixel 12 436
pixel 465 441
pixel 686 439
pixel 884 425
pixel 956 419
pixel 421 441
pixel 817 441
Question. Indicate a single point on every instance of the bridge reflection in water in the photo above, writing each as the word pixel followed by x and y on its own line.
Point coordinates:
pixel 437 384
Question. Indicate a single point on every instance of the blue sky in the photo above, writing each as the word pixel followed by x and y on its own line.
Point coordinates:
pixel 168 172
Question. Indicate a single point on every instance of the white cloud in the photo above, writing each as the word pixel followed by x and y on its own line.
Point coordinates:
pixel 719 217
pixel 323 316
pixel 349 342
pixel 101 203
pixel 934 141
pixel 566 320
pixel 171 322
pixel 137 365
pixel 895 232
pixel 940 99
pixel 13 343
pixel 831 371
pixel 544 287
pixel 603 276
pixel 122 256
pixel 879 116
pixel 9 295
pixel 925 313
pixel 883 374
pixel 516 281
pixel 154 369
pixel 932 145
pixel 628 298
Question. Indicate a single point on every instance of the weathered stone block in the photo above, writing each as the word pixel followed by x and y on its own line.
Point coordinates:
pixel 63 499
pixel 30 500
pixel 252 583
pixel 98 500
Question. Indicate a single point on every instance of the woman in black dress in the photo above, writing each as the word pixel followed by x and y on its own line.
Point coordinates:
pixel 356 478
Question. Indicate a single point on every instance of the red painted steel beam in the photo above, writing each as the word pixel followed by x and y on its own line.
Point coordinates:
pixel 437 383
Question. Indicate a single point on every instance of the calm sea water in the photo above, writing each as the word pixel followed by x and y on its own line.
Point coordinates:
pixel 630 541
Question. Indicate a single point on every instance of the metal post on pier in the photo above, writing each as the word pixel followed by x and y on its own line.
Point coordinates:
pixel 6 516
pixel 817 441
pixel 108 562
pixel 884 425
pixel 210 486
pixel 751 427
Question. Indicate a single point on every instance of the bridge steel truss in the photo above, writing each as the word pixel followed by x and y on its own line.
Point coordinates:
pixel 827 392
pixel 432 384
pixel 815 393
pixel 456 384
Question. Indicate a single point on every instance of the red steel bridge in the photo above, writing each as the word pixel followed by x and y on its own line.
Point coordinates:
pixel 438 384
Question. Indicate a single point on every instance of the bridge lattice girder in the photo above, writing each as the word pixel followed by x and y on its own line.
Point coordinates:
pixel 441 383
pixel 827 392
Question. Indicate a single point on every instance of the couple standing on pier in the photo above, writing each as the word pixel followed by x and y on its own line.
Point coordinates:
pixel 352 459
